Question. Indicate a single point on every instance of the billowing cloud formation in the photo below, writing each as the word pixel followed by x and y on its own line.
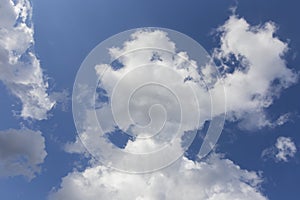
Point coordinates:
pixel 20 69
pixel 21 152
pixel 283 150
pixel 158 83
pixel 252 79
pixel 253 71
pixel 149 88
pixel 214 179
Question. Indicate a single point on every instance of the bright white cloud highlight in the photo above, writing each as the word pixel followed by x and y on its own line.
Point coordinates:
pixel 214 179
pixel 20 69
pixel 21 152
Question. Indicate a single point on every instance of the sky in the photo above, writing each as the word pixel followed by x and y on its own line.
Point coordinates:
pixel 219 80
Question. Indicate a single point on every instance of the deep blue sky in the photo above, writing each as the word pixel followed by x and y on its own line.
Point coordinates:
pixel 66 31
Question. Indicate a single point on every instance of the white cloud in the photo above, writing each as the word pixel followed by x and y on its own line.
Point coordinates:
pixel 21 152
pixel 20 69
pixel 214 179
pixel 161 86
pixel 282 119
pixel 255 79
pixel 122 82
pixel 286 149
pixel 254 73
pixel 283 150
pixel 262 73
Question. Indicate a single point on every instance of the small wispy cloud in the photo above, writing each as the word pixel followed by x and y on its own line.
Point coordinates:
pixel 283 150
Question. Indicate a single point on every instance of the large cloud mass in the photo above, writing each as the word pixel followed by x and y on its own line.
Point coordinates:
pixel 214 179
pixel 20 69
pixel 253 71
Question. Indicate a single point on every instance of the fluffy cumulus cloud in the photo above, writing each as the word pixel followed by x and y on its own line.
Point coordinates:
pixel 214 179
pixel 20 69
pixel 21 152
pixel 170 102
pixel 253 71
pixel 283 150
pixel 144 91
